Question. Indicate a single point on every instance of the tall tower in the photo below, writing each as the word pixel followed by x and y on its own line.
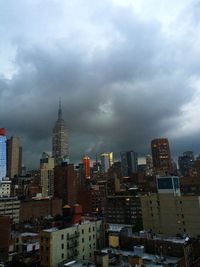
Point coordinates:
pixel 86 164
pixel 161 156
pixel 47 174
pixel 60 147
pixel 2 153
pixel 129 162
pixel 14 157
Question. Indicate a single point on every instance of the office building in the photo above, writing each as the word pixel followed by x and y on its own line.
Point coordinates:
pixel 65 183
pixel 47 174
pixel 161 156
pixel 129 162
pixel 124 209
pixel 14 157
pixel 171 215
pixel 106 161
pixel 2 153
pixel 186 163
pixel 10 206
pixel 168 185
pixel 86 166
pixel 60 146
pixel 77 242
pixel 5 187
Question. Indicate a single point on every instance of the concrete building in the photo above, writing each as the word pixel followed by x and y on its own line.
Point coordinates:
pixel 2 153
pixel 14 157
pixel 169 214
pixel 10 207
pixel 65 183
pixel 5 188
pixel 38 208
pixel 77 242
pixel 124 210
pixel 60 146
pixel 161 156
pixel 47 174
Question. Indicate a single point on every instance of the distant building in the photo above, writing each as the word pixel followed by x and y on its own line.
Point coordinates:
pixel 77 242
pixel 161 156
pixel 65 183
pixel 86 166
pixel 106 161
pixel 14 157
pixel 60 146
pixel 186 163
pixel 168 185
pixel 129 162
pixel 2 153
pixel 5 188
pixel 47 174
pixel 149 165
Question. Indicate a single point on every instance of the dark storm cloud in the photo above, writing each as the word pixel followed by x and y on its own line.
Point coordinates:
pixel 123 80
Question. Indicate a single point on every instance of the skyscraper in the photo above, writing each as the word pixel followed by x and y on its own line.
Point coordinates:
pixel 2 153
pixel 60 146
pixel 106 161
pixel 86 164
pixel 47 174
pixel 14 157
pixel 161 156
pixel 129 162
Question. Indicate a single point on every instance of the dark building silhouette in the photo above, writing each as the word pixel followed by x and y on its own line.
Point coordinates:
pixel 186 163
pixel 65 183
pixel 129 162
pixel 60 147
pixel 161 156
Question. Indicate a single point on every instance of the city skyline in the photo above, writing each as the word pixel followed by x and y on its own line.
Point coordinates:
pixel 126 72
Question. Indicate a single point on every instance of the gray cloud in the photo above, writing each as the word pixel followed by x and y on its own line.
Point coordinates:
pixel 123 79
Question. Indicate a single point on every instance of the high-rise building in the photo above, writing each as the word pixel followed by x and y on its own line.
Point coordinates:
pixel 129 162
pixel 14 157
pixel 161 156
pixel 47 174
pixel 65 183
pixel 86 166
pixel 186 163
pixel 106 161
pixel 60 147
pixel 2 153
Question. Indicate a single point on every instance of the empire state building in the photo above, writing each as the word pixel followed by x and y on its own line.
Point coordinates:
pixel 60 148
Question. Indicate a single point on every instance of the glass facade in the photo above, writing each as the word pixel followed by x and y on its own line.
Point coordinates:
pixel 2 156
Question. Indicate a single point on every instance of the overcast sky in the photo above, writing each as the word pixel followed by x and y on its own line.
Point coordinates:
pixel 127 71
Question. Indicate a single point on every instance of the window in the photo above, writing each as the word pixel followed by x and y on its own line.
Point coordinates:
pixel 62 255
pixel 82 240
pixel 62 237
pixel 82 231
pixel 62 246
pixel 89 230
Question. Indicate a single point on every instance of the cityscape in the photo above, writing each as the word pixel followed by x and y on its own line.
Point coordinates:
pixel 99 133
pixel 100 213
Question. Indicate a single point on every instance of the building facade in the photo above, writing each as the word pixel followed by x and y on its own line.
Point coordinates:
pixel 77 242
pixel 161 156
pixel 2 153
pixel 60 146
pixel 129 162
pixel 10 207
pixel 14 157
pixel 171 215
pixel 65 183
pixel 86 166
pixel 106 161
pixel 47 174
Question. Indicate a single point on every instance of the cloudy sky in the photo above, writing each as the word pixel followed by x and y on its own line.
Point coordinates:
pixel 127 71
